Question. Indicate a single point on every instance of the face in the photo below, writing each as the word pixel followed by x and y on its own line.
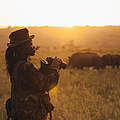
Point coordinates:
pixel 28 49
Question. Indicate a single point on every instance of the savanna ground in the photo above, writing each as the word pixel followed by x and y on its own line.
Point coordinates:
pixel 81 94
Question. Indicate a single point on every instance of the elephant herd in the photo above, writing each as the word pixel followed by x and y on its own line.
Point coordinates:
pixel 80 60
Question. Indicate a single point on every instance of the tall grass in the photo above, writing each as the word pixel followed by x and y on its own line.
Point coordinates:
pixel 88 95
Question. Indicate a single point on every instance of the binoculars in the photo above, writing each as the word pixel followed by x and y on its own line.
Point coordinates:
pixel 48 62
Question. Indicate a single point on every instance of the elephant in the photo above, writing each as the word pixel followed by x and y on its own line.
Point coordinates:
pixel 88 59
pixel 111 60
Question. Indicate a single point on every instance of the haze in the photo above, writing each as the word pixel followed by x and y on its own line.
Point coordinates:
pixel 59 12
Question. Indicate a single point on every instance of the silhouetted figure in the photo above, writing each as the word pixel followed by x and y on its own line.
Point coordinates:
pixel 30 87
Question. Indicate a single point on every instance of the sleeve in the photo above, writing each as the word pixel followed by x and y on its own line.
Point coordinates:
pixel 37 81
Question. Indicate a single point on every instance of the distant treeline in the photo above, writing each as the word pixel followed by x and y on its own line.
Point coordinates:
pixel 77 36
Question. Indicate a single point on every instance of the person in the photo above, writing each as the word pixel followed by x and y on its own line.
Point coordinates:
pixel 30 87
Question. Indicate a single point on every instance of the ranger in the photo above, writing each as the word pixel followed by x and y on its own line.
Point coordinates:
pixel 30 99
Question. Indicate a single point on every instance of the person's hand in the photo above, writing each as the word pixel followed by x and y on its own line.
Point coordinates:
pixel 56 63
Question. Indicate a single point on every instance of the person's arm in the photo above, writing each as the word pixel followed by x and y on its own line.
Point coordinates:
pixel 38 81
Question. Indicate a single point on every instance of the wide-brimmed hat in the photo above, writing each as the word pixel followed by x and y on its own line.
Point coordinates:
pixel 19 37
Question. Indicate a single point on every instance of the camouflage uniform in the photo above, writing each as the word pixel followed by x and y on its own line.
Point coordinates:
pixel 29 91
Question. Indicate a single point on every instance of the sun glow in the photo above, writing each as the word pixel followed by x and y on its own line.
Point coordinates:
pixel 59 13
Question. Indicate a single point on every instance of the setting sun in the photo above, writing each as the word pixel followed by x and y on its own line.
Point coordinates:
pixel 59 12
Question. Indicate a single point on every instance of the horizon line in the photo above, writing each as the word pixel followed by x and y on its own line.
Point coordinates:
pixel 12 26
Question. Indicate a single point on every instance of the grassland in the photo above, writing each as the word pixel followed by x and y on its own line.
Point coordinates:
pixel 80 94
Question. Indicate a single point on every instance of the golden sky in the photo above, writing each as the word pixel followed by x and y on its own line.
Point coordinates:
pixel 59 12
